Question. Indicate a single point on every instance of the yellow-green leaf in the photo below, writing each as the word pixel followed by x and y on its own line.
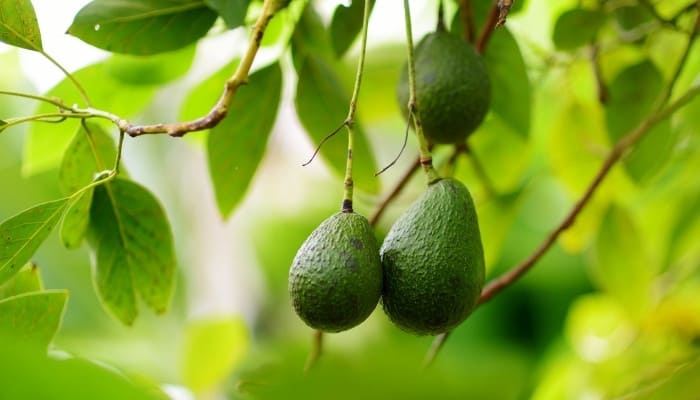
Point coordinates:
pixel 213 348
pixel 18 25
pixel 33 317
pixel 21 235
pixel 28 279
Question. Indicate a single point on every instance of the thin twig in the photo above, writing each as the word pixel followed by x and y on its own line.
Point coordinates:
pixel 622 146
pixel 598 75
pixel 395 192
pixel 488 28
pixel 466 13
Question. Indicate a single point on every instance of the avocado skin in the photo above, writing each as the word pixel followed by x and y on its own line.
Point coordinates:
pixel 433 261
pixel 336 277
pixel 453 88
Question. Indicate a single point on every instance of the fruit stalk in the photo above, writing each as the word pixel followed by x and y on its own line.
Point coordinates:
pixel 350 119
pixel 426 159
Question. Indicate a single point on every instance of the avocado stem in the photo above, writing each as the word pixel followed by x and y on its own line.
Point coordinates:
pixel 349 123
pixel 426 158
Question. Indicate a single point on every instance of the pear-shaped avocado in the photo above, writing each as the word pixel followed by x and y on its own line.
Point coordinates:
pixel 433 261
pixel 453 89
pixel 336 277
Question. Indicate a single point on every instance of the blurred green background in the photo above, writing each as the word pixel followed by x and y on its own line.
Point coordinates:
pixel 611 311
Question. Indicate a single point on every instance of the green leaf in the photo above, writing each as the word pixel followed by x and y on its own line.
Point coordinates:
pixel 46 143
pixel 213 348
pixel 134 249
pixel 18 25
pixel 28 374
pixel 90 151
pixel 322 105
pixel 633 95
pixel 346 24
pixel 76 220
pixel 28 279
pixel 150 70
pixel 33 317
pixel 577 27
pixel 510 86
pixel 142 27
pixel 621 267
pixel 232 11
pixel 236 146
pixel 21 235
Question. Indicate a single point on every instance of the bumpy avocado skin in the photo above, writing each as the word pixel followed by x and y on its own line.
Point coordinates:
pixel 336 277
pixel 433 261
pixel 453 88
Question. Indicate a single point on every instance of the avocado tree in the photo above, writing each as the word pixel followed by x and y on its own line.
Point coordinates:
pixel 507 209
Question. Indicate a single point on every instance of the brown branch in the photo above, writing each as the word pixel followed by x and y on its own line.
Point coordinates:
pixel 497 17
pixel 602 89
pixel 395 192
pixel 622 146
pixel 466 13
pixel 221 108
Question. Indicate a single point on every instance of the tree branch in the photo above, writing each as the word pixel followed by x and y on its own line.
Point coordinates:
pixel 466 14
pixel 497 17
pixel 211 119
pixel 395 192
pixel 622 146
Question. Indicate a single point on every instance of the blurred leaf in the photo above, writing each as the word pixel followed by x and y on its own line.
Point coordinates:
pixel 346 24
pixel 213 348
pixel 496 218
pixel 510 85
pixel 621 267
pixel 503 153
pixel 134 249
pixel 675 382
pixel 629 17
pixel 26 374
pixel 150 70
pixel 21 235
pixel 232 11
pixel 322 105
pixel 633 95
pixel 18 25
pixel 577 27
pixel 236 146
pixel 310 38
pixel 142 27
pixel 688 216
pixel 28 279
pixel 46 143
pixel 597 328
pixel 33 317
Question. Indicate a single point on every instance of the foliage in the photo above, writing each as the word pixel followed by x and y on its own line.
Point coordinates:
pixel 611 307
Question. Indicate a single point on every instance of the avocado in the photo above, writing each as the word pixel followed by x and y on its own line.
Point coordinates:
pixel 336 277
pixel 433 261
pixel 453 88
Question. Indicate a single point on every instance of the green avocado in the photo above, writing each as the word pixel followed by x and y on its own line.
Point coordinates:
pixel 433 261
pixel 453 88
pixel 336 277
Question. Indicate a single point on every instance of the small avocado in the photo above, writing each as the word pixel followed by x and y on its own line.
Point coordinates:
pixel 433 261
pixel 453 88
pixel 336 277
